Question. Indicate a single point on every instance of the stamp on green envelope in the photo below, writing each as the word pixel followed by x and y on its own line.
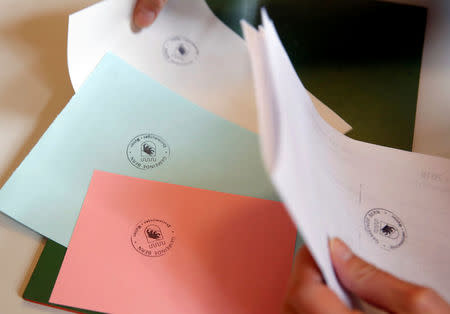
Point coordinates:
pixel 147 151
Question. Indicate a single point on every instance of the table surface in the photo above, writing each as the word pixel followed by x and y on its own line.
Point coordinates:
pixel 35 86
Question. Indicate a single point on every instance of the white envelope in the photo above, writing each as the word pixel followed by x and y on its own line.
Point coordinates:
pixel 391 206
pixel 188 49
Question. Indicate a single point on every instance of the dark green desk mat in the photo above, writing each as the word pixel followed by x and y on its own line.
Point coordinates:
pixel 361 58
pixel 44 276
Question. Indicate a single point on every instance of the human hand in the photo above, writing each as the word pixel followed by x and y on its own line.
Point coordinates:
pixel 308 293
pixel 146 11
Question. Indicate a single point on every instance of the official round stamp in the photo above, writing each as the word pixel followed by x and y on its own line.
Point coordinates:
pixel 180 50
pixel 148 151
pixel 385 228
pixel 153 237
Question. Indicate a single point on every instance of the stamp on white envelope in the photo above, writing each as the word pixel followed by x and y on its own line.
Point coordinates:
pixel 180 50
pixel 385 228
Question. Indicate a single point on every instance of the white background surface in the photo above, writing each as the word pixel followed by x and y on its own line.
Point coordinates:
pixel 35 86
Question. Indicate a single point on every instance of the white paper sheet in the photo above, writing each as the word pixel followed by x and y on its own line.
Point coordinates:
pixel 392 207
pixel 212 69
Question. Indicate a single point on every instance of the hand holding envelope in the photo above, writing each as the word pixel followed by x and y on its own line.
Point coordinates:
pixel 372 197
pixel 308 292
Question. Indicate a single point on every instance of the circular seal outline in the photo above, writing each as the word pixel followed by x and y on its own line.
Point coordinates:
pixel 157 137
pixel 182 39
pixel 160 252
pixel 400 225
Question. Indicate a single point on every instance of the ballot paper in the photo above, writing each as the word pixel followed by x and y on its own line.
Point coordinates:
pixel 392 207
pixel 143 246
pixel 187 49
pixel 124 122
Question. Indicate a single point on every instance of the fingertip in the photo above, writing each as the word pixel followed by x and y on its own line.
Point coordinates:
pixel 339 251
pixel 146 12
pixel 144 18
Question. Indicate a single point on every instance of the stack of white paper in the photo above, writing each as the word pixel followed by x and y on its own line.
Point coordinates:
pixel 392 207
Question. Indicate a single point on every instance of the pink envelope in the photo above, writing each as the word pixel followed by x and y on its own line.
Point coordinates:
pixel 149 247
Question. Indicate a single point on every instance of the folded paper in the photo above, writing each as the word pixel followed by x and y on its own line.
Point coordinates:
pixel 379 200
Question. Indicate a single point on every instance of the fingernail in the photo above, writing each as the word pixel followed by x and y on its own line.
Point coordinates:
pixel 144 18
pixel 339 250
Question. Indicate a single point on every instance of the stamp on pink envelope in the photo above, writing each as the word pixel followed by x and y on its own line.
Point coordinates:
pixel 153 237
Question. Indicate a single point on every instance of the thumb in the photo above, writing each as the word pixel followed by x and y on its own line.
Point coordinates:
pixel 380 288
pixel 146 11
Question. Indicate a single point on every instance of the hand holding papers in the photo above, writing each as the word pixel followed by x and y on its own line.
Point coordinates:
pixel 391 206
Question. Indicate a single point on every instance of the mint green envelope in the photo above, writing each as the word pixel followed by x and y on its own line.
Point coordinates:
pixel 122 121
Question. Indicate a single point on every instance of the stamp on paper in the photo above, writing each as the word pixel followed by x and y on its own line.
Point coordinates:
pixel 385 228
pixel 180 50
pixel 153 237
pixel 147 151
